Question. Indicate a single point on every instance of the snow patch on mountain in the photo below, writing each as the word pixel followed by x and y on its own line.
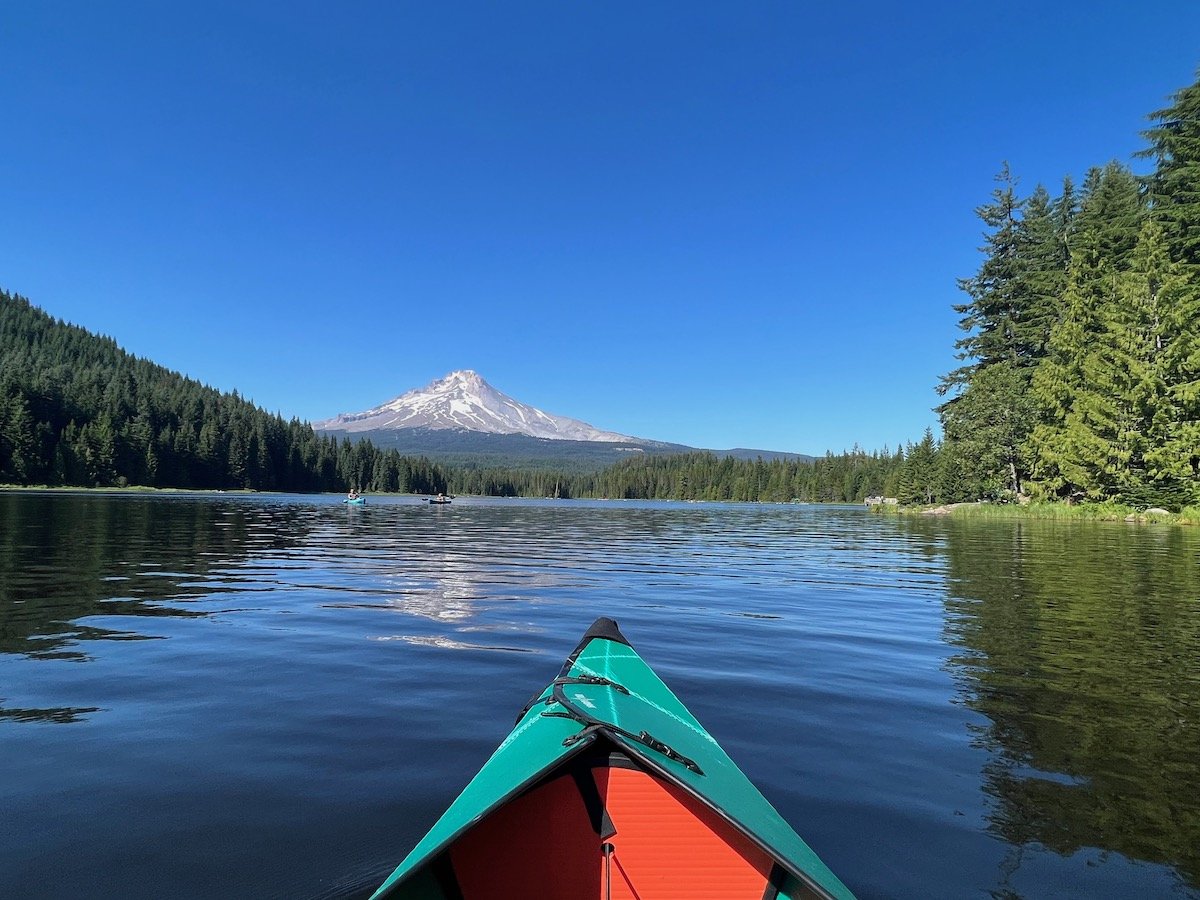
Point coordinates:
pixel 464 401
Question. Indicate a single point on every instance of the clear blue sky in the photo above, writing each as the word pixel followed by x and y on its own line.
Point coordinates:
pixel 722 224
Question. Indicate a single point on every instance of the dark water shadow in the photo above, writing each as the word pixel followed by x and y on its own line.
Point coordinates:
pixel 1078 646
pixel 65 558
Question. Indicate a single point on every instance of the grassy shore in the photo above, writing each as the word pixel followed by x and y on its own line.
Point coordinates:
pixel 1080 512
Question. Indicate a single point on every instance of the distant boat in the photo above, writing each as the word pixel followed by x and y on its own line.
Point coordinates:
pixel 439 501
pixel 609 789
pixel 355 501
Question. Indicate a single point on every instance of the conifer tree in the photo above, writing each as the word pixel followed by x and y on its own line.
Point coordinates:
pixel 1173 189
pixel 951 483
pixel 1105 388
pixel 1055 442
pixel 1173 192
pixel 1082 441
pixel 1150 335
pixel 1110 215
pixel 1065 209
pixel 1043 260
pixel 919 475
pixel 18 459
pixel 990 316
pixel 1014 304
pixel 988 425
pixel 1172 300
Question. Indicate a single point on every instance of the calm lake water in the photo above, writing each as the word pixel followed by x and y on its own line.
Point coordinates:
pixel 275 696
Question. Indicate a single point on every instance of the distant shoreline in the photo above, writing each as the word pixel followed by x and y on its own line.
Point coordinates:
pixel 147 489
pixel 128 489
pixel 978 510
pixel 247 492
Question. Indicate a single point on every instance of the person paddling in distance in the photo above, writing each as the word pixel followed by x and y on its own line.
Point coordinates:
pixel 353 495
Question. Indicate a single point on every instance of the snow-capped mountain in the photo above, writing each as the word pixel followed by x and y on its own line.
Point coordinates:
pixel 463 401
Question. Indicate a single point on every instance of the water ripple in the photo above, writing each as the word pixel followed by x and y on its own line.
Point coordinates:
pixel 297 688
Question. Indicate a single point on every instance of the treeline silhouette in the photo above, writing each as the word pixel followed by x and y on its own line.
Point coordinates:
pixel 833 478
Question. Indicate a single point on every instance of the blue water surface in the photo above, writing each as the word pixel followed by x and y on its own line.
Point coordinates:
pixel 276 696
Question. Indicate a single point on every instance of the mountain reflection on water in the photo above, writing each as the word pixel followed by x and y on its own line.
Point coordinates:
pixel 295 688
pixel 1079 645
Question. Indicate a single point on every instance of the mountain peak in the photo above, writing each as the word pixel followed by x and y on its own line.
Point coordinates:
pixel 462 400
pixel 460 376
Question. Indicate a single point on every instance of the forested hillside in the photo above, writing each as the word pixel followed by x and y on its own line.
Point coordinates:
pixel 75 409
pixel 845 477
pixel 1081 355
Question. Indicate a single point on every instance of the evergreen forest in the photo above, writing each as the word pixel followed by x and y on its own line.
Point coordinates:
pixel 1080 375
pixel 841 478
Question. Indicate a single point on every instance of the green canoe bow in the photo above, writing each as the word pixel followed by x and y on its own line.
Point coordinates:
pixel 607 697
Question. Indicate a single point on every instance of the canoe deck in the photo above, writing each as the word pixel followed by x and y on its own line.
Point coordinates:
pixel 665 844
pixel 609 788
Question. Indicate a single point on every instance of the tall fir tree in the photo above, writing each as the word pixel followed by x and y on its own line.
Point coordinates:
pixel 1056 440
pixel 1014 304
pixel 1110 215
pixel 919 476
pixel 1043 264
pixel 1072 447
pixel 1173 193
pixel 1105 391
pixel 986 427
pixel 1173 188
pixel 1149 337
pixel 989 318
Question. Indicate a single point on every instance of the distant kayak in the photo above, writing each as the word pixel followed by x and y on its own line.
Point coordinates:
pixel 609 788
pixel 440 502
pixel 357 501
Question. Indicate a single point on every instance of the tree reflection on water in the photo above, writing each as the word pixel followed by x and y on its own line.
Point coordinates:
pixel 1081 648
pixel 66 560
